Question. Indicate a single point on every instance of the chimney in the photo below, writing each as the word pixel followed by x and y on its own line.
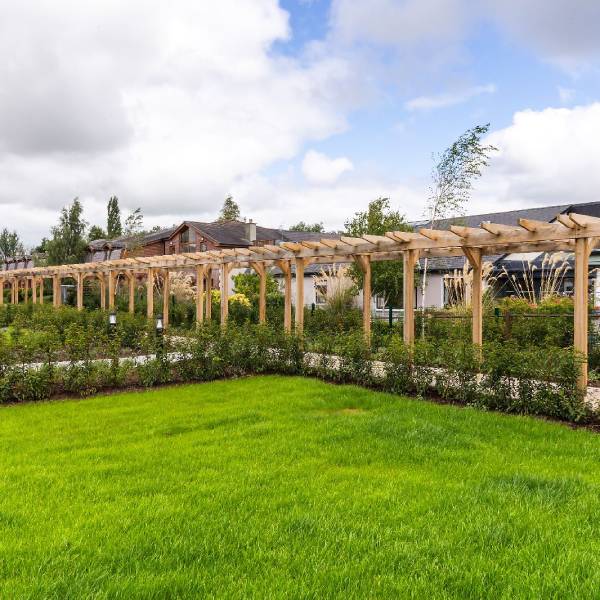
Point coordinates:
pixel 250 231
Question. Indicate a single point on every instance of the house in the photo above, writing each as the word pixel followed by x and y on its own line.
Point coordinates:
pixel 197 236
pixel 439 268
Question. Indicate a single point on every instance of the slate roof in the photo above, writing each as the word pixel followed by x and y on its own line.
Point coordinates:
pixel 511 217
pixel 123 241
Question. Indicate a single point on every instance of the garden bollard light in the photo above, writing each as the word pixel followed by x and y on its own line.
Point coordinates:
pixel 159 333
pixel 112 323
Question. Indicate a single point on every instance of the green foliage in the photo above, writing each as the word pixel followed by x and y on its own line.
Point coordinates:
pixel 249 285
pixel 96 233
pixel 386 276
pixel 454 172
pixel 230 210
pixel 69 242
pixel 309 227
pixel 10 244
pixel 113 218
pixel 504 375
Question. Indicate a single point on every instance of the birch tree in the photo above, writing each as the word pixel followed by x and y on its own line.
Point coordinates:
pixel 453 176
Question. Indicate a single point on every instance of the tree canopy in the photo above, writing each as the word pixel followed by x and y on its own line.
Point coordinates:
pixel 113 218
pixel 68 242
pixel 386 276
pixel 311 227
pixel 230 210
pixel 10 244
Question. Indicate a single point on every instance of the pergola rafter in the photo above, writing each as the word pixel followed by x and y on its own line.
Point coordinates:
pixel 573 233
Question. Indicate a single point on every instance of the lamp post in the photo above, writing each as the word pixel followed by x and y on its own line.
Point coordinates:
pixel 112 323
pixel 160 340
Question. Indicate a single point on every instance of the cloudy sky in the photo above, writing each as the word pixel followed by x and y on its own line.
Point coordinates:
pixel 302 109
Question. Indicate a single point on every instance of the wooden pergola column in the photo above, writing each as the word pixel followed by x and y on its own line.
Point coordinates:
pixel 56 299
pixel 410 258
pixel 41 290
pixel 33 290
pixel 79 281
pixel 131 298
pixel 166 296
pixel 208 291
pixel 583 248
pixel 286 269
pixel 150 293
pixel 111 290
pixel 14 291
pixel 476 261
pixel 2 282
pixel 102 279
pixel 262 291
pixel 200 272
pixel 364 263
pixel 225 269
pixel 299 312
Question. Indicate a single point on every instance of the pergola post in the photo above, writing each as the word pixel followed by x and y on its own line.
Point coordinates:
pixel 225 268
pixel 200 270
pixel 410 258
pixel 583 247
pixel 79 291
pixel 14 291
pixel 131 298
pixel 476 261
pixel 2 282
pixel 41 282
pixel 56 299
pixel 299 313
pixel 208 302
pixel 25 290
pixel 262 291
pixel 102 278
pixel 111 290
pixel 286 269
pixel 166 297
pixel 33 290
pixel 150 293
pixel 364 263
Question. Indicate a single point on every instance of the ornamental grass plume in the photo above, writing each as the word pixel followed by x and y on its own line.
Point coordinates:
pixel 339 289
pixel 458 284
pixel 551 276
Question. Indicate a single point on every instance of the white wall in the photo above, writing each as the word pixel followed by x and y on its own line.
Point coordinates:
pixel 434 292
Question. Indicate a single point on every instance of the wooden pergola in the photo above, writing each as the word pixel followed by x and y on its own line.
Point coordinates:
pixel 572 233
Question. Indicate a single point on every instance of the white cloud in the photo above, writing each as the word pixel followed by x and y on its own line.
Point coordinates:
pixel 449 99
pixel 546 157
pixel 168 114
pixel 283 202
pixel 562 31
pixel 319 168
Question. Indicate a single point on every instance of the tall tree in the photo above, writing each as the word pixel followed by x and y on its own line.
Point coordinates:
pixel 113 219
pixel 452 181
pixel 386 276
pixel 230 210
pixel 96 233
pixel 68 243
pixel 134 230
pixel 10 244
pixel 311 227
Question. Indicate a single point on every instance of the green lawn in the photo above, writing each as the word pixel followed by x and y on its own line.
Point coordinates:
pixel 288 487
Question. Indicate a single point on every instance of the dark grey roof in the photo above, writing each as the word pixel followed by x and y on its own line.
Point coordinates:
pixel 124 241
pixel 307 236
pixel 511 217
pixel 233 233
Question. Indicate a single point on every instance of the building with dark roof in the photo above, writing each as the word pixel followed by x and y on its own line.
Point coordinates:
pixel 439 267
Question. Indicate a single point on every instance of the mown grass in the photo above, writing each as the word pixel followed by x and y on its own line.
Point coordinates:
pixel 288 487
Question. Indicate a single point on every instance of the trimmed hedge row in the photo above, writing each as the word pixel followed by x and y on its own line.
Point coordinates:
pixel 502 377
